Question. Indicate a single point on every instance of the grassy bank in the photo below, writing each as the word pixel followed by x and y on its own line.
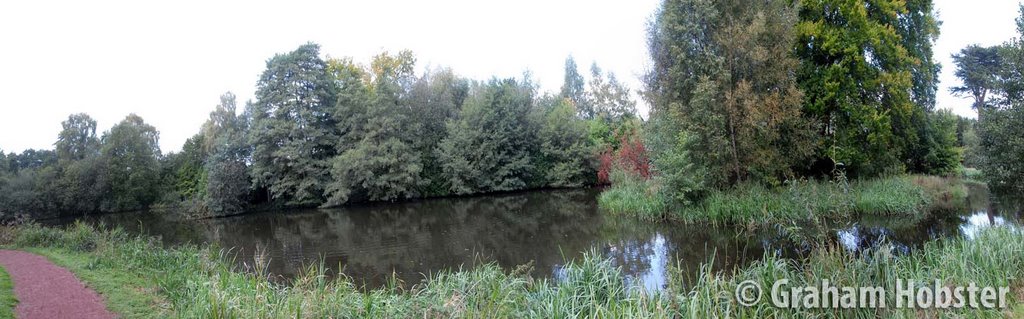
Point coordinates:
pixel 802 200
pixel 139 279
pixel 7 299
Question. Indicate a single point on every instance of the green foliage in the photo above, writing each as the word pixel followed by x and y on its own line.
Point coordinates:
pixel 857 73
pixel 634 196
pixel 566 155
pixel 1002 139
pixel 292 130
pixel 78 187
pixel 330 132
pixel 7 299
pixel 918 28
pixel 945 153
pixel 906 196
pixel 31 159
pixel 378 159
pixel 983 261
pixel 435 99
pixel 489 147
pixel 724 74
pixel 969 141
pixel 227 186
pixel 77 140
pixel 997 71
pixel 226 173
pixel 679 177
pixel 131 170
pixel 19 196
pixel 609 99
pixel 979 69
pixel 187 167
pixel 385 170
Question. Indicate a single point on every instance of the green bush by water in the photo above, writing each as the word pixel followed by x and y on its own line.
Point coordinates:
pixel 633 196
pixel 800 200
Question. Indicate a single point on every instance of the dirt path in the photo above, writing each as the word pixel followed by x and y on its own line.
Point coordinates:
pixel 45 290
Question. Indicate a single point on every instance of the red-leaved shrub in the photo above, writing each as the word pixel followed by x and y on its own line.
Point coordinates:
pixel 631 157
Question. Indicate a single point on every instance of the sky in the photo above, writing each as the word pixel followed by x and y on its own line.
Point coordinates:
pixel 170 61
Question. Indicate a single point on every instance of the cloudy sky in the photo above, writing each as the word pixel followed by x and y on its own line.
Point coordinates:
pixel 169 61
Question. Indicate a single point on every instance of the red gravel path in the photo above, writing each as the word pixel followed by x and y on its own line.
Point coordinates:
pixel 47 291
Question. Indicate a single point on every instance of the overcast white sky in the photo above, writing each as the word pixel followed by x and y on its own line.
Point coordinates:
pixel 169 61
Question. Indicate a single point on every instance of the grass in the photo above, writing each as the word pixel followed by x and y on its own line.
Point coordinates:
pixel 634 197
pixel 196 282
pixel 914 196
pixel 973 174
pixel 993 259
pixel 7 299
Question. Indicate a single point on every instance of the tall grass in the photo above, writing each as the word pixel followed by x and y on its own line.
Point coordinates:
pixel 994 259
pixel 633 196
pixel 914 196
pixel 197 282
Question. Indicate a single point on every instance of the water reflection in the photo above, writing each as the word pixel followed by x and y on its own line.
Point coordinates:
pixel 413 239
pixel 977 212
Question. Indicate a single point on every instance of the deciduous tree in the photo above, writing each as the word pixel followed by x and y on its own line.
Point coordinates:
pixel 292 129
pixel 131 171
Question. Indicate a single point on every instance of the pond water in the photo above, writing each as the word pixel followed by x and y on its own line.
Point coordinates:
pixel 410 240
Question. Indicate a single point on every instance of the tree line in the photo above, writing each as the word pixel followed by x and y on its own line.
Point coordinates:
pixel 740 92
pixel 330 131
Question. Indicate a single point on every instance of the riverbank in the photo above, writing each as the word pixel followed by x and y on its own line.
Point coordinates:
pixel 911 196
pixel 139 278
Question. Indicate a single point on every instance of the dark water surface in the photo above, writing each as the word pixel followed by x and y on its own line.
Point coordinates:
pixel 413 239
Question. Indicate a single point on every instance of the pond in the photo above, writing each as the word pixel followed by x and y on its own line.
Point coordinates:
pixel 410 240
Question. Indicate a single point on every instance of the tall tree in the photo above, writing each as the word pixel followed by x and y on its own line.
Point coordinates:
pixel 566 153
pixel 767 134
pixel 436 98
pixel 573 89
pixel 918 28
pixel 77 139
pixel 609 98
pixel 227 176
pixel 489 147
pixel 724 84
pixel 77 187
pixel 979 70
pixel 857 77
pixel 293 131
pixel 131 171
pixel 1001 127
pixel 681 45
pixel 382 162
